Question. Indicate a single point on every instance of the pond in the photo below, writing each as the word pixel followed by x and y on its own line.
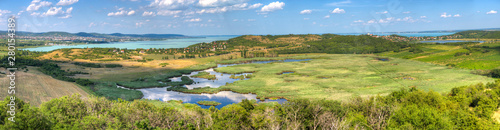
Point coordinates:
pixel 448 41
pixel 223 97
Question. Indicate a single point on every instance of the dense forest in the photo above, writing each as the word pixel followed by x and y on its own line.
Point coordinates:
pixel 466 107
pixel 479 34
pixel 340 44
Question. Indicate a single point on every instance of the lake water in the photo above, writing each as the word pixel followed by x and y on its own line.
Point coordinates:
pixel 448 41
pixel 223 97
pixel 184 42
pixel 170 43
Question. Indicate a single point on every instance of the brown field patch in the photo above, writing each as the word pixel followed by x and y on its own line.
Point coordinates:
pixel 35 87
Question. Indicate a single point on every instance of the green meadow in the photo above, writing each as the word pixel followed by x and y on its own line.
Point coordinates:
pixel 341 76
pixel 484 56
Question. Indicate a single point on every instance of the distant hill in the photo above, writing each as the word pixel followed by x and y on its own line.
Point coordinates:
pixel 148 35
pixel 479 34
pixel 98 35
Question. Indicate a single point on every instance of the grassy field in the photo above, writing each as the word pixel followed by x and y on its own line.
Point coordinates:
pixel 339 77
pixel 445 54
pixel 204 75
pixel 36 87
pixel 208 103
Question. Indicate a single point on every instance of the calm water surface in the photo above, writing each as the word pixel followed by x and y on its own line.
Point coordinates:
pixel 170 43
pixel 223 97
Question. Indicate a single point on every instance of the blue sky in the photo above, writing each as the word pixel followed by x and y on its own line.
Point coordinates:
pixel 227 17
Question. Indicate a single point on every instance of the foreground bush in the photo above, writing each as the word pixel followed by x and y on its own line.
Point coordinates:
pixel 466 107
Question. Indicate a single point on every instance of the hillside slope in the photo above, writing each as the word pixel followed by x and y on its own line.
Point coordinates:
pixel 36 87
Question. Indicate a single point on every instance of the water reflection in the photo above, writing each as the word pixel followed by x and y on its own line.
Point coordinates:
pixel 221 79
pixel 223 97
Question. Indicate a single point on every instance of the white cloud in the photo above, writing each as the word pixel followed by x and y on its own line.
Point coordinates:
pixel 92 24
pixel 172 4
pixel 148 13
pixel 218 3
pixel 407 18
pixel 456 15
pixel 222 9
pixel 407 12
pixel 255 6
pixel 358 21
pixel 66 16
pixel 69 10
pixel 383 12
pixel 139 24
pixel 338 11
pixel 132 12
pixel 491 12
pixel 444 15
pixel 66 2
pixel 273 6
pixel 306 11
pixel 306 18
pixel 4 12
pixel 35 14
pixel 121 12
pixel 386 20
pixel 20 12
pixel 242 6
pixel 371 21
pixel 53 11
pixel 37 4
pixel 193 20
pixel 190 7
pixel 341 3
pixel 423 17
pixel 168 12
pixel 327 16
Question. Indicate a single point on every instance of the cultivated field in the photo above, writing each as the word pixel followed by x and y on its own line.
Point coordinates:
pixel 36 87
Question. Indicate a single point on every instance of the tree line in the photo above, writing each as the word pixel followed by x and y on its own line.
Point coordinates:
pixel 339 44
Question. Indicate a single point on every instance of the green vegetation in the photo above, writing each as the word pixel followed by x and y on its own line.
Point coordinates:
pixel 105 89
pixel 208 103
pixel 479 34
pixel 482 56
pixel 163 64
pixel 466 107
pixel 205 75
pixel 324 77
pixel 339 44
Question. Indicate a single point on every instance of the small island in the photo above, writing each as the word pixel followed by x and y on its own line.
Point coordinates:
pixel 205 75
pixel 208 103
